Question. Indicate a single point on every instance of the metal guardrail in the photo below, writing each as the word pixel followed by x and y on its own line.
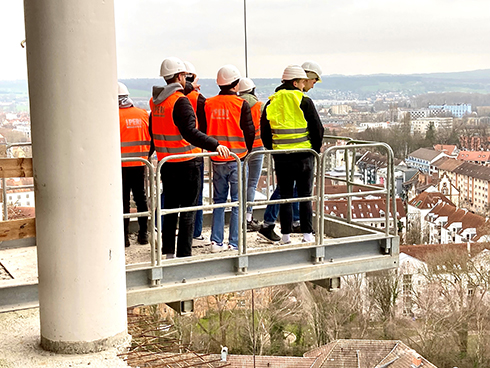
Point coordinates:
pixel 313 198
pixel 319 197
pixel 150 199
pixel 388 192
pixel 160 211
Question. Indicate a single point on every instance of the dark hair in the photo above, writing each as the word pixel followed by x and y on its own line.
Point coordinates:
pixel 172 78
pixel 229 86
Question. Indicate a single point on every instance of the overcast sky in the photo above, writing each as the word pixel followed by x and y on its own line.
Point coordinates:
pixel 343 36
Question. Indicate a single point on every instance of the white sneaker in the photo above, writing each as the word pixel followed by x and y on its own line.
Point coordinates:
pixel 216 248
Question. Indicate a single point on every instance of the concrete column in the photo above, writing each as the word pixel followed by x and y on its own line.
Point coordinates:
pixel 71 60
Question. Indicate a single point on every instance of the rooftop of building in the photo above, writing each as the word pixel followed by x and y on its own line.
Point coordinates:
pixel 474 155
pixel 473 170
pixel 428 200
pixel 447 163
pixel 425 154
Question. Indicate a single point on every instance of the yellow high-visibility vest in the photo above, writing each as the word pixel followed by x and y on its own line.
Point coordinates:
pixel 288 124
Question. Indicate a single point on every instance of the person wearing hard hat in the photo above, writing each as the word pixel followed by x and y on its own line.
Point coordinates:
pixel 174 132
pixel 313 72
pixel 246 90
pixel 227 118
pixel 290 121
pixel 135 142
pixel 197 100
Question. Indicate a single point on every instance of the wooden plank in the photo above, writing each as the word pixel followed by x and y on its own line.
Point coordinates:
pixel 18 229
pixel 16 167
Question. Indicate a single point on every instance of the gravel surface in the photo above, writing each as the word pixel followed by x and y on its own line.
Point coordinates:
pixel 19 346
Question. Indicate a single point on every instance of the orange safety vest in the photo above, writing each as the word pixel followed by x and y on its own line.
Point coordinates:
pixel 166 135
pixel 193 96
pixel 135 134
pixel 223 119
pixel 256 112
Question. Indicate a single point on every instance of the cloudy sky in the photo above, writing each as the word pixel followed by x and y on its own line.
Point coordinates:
pixel 344 36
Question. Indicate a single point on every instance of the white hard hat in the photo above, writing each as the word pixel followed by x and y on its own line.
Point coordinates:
pixel 122 90
pixel 171 66
pixel 227 75
pixel 190 68
pixel 246 84
pixel 312 67
pixel 293 72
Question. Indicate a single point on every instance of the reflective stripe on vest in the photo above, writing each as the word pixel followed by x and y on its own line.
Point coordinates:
pixel 256 112
pixel 288 124
pixel 223 121
pixel 135 135
pixel 166 135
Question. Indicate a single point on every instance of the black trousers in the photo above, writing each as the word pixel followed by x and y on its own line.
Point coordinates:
pixel 180 182
pixel 133 180
pixel 290 169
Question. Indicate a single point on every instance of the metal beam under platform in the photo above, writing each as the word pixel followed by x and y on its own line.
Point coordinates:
pixel 353 249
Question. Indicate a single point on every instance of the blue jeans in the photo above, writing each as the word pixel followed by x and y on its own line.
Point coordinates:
pixel 254 169
pixel 225 178
pixel 198 222
pixel 272 210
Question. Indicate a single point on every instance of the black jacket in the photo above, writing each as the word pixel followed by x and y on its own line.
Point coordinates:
pixel 184 118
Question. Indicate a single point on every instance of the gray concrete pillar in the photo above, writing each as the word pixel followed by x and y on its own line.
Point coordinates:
pixel 71 61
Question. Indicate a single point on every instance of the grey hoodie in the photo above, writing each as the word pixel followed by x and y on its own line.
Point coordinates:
pixel 160 94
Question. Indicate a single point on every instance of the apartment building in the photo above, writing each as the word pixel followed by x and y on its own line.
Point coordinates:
pixel 458 110
pixel 423 159
pixel 422 125
pixel 473 183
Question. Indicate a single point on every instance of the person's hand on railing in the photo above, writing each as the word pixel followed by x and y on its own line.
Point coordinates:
pixel 223 151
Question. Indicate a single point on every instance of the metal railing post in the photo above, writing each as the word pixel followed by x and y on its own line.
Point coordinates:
pixel 149 199
pixel 164 212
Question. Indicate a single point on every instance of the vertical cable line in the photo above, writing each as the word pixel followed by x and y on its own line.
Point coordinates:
pixel 245 29
pixel 246 74
pixel 253 326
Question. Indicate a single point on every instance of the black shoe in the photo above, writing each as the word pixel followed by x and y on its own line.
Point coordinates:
pixel 253 225
pixel 143 237
pixel 126 242
pixel 268 233
pixel 297 229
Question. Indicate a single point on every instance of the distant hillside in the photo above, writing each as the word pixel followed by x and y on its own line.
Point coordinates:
pixel 477 81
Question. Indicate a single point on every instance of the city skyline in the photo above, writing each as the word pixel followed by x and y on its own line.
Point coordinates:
pixel 349 38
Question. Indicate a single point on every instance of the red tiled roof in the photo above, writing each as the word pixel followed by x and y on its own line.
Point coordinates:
pixel 426 200
pixel 338 189
pixel 446 148
pixel 424 252
pixel 474 155
pixel 363 209
pixel 21 212
pixel 261 361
